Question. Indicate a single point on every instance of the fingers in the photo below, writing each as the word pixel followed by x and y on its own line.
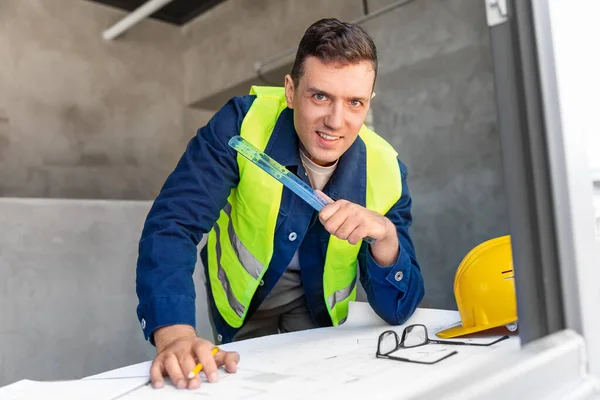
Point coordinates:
pixel 230 359
pixel 188 363
pixel 330 210
pixel 344 221
pixel 352 224
pixel 356 236
pixel 178 360
pixel 323 195
pixel 204 355
pixel 336 221
pixel 195 382
pixel 174 371
pixel 156 373
pixel 178 365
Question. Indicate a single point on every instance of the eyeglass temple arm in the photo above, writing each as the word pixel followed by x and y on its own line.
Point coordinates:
pixel 434 341
pixel 417 361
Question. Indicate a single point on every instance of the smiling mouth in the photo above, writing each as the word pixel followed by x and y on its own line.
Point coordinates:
pixel 328 137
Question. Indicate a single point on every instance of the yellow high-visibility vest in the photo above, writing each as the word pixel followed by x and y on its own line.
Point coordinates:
pixel 240 245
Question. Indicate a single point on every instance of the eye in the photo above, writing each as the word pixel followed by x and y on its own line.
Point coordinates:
pixel 320 97
pixel 356 103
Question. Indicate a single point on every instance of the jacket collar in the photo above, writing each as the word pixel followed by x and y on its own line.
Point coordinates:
pixel 348 182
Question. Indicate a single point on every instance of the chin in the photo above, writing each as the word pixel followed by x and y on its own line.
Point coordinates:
pixel 325 157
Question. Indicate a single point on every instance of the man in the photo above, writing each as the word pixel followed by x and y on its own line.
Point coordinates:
pixel 272 263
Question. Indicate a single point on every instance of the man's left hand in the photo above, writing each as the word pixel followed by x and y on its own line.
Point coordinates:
pixel 353 222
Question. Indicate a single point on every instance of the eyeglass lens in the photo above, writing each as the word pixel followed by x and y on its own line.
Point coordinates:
pixel 388 342
pixel 415 335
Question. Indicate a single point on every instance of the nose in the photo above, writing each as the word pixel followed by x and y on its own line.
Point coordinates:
pixel 335 118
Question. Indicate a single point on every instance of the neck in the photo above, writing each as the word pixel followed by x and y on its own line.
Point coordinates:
pixel 311 158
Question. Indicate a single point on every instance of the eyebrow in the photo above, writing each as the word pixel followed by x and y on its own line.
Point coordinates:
pixel 315 90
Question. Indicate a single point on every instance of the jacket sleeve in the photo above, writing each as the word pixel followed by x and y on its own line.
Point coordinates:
pixel 187 207
pixel 395 291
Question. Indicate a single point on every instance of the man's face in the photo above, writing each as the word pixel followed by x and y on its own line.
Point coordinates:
pixel 330 106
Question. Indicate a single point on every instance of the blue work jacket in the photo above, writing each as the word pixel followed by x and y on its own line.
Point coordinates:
pixel 189 204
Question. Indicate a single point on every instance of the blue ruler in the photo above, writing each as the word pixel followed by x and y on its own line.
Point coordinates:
pixel 282 174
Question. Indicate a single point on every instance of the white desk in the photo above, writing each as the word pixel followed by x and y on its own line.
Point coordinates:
pixel 329 362
pixel 318 363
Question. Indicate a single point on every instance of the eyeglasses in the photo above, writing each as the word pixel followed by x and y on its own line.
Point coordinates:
pixel 415 336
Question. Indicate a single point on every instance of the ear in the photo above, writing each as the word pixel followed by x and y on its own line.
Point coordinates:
pixel 373 95
pixel 289 91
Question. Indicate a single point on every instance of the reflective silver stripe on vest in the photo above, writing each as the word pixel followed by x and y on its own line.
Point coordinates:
pixel 341 294
pixel 233 302
pixel 250 264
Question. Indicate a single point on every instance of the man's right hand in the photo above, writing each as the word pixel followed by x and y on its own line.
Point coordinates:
pixel 178 350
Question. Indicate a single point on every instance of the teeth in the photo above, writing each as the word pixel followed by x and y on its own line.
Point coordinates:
pixel 327 137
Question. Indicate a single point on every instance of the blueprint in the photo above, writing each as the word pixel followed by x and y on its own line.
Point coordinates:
pixel 317 363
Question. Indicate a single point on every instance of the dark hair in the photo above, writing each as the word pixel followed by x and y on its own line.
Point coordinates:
pixel 332 40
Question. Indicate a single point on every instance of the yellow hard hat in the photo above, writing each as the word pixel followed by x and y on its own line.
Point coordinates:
pixel 484 289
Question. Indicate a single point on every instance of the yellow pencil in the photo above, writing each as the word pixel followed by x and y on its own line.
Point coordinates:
pixel 199 366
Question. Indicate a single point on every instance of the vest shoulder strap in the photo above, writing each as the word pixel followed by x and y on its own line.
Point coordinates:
pixel 262 115
pixel 274 92
pixel 375 141
pixel 384 186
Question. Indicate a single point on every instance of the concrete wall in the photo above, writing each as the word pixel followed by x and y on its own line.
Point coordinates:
pixel 67 288
pixel 435 103
pixel 226 42
pixel 81 117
